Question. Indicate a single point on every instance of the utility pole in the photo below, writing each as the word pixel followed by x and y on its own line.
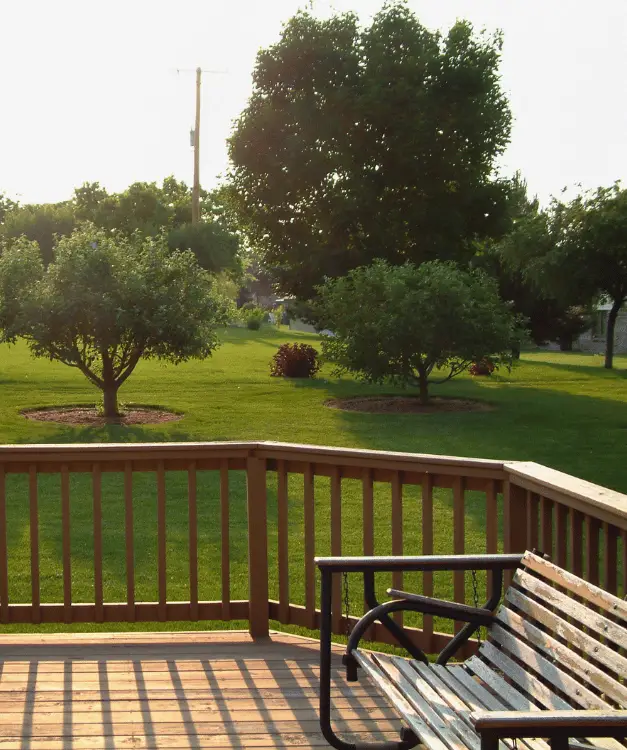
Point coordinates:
pixel 196 188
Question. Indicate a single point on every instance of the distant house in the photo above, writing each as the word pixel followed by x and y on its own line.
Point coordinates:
pixel 593 340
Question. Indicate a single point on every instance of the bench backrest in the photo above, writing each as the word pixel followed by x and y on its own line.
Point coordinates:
pixel 560 639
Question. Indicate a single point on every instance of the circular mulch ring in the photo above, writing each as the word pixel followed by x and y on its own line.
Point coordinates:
pixel 92 417
pixel 406 405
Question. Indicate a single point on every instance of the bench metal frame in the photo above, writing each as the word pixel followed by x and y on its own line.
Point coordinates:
pixel 493 726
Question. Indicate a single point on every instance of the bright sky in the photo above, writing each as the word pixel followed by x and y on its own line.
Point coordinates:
pixel 90 90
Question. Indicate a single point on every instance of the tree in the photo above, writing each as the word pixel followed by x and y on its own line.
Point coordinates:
pixel 365 143
pixel 577 251
pixel 6 205
pixel 405 323
pixel 144 207
pixel 41 223
pixel 108 301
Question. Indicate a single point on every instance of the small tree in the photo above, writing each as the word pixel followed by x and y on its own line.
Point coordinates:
pixel 106 302
pixel 404 323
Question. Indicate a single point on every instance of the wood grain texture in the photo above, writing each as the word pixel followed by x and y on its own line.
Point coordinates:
pixel 283 543
pixel 4 579
pixel 310 545
pixel 163 690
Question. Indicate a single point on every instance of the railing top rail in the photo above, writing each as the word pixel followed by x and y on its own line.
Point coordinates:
pixel 570 490
pixel 90 452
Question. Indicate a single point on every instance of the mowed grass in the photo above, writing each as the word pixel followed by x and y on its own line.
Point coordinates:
pixel 563 410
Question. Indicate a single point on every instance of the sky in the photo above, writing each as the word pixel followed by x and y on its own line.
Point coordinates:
pixel 90 90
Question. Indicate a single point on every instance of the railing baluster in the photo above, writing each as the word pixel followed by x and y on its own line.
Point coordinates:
pixel 610 558
pixel 193 539
pixel 336 546
pixel 459 541
pixel 427 549
pixel 257 504
pixel 66 544
pixel 130 552
pixel 283 544
pixel 96 484
pixel 310 547
pixel 397 533
pixel 161 543
pixel 4 562
pixel 532 520
pixel 624 560
pixel 546 537
pixel 492 527
pixel 367 486
pixel 576 541
pixel 514 522
pixel 593 527
pixel 561 534
pixel 34 543
pixel 225 559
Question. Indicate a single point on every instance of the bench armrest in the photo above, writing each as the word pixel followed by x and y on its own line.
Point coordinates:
pixel 520 724
pixel 422 562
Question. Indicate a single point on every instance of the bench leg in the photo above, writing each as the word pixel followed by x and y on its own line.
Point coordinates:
pixel 407 738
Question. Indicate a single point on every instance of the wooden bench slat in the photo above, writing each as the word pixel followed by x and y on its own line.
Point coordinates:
pixel 453 714
pixel 556 677
pixel 567 657
pixel 569 607
pixel 523 679
pixel 428 714
pixel 479 699
pixel 592 594
pixel 381 681
pixel 515 699
pixel 610 659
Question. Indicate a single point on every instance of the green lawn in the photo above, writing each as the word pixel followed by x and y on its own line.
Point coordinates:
pixel 563 410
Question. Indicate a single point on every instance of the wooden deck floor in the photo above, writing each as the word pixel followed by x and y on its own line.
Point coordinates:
pixel 182 690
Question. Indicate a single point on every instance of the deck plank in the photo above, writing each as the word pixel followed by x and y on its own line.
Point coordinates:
pixel 181 690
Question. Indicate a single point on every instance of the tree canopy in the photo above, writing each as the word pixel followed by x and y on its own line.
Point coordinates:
pixel 577 252
pixel 415 325
pixel 360 143
pixel 145 207
pixel 106 301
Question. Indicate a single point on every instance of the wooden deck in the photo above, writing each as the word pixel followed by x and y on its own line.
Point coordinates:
pixel 173 690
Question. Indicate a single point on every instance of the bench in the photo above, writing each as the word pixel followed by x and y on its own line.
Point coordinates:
pixel 551 672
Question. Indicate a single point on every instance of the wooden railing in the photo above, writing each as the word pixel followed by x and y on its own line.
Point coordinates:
pixel 86 530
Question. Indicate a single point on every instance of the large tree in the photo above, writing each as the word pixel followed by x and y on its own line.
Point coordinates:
pixel 360 143
pixel 577 252
pixel 108 301
pixel 415 325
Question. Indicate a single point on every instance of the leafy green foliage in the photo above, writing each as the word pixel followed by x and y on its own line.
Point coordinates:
pixel 40 223
pixel 404 323
pixel 365 143
pixel 295 361
pixel 144 207
pixel 253 315
pixel 106 302
pixel 577 251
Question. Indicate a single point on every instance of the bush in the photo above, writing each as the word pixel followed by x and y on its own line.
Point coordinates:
pixel 253 324
pixel 295 361
pixel 484 366
pixel 253 317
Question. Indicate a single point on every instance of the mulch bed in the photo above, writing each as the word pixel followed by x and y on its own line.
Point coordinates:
pixel 89 415
pixel 406 405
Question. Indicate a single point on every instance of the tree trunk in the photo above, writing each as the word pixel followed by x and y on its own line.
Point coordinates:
pixel 566 343
pixel 423 383
pixel 110 400
pixel 611 326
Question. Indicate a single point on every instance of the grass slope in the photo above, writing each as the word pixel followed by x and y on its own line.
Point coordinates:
pixel 562 410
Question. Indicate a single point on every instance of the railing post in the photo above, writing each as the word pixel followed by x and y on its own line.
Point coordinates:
pixel 514 521
pixel 257 547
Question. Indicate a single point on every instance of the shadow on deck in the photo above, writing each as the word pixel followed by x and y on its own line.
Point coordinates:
pixel 174 690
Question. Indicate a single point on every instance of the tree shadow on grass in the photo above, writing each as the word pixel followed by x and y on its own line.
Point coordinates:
pixel 594 369
pixel 119 434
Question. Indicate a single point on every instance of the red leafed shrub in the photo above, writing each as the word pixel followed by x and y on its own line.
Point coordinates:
pixel 295 361
pixel 484 366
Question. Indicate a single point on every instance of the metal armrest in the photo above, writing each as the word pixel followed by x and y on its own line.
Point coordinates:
pixel 558 726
